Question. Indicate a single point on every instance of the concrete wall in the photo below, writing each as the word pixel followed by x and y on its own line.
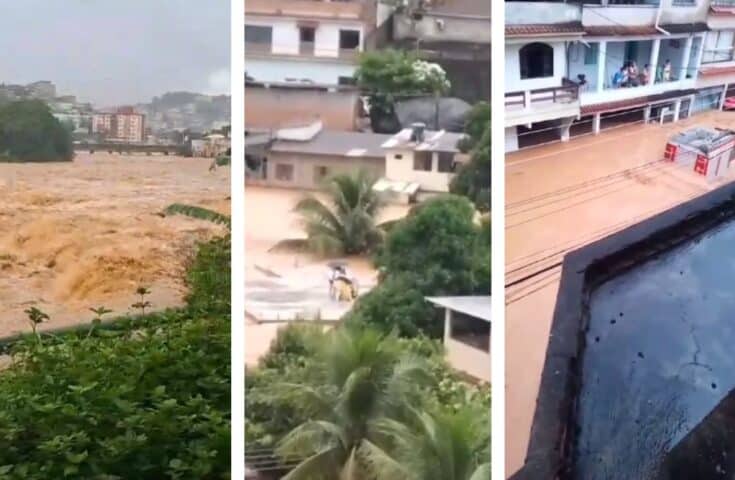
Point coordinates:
pixel 466 358
pixel 286 38
pixel 442 28
pixel 513 82
pixel 276 107
pixel 401 169
pixel 511 139
pixel 305 166
pixel 520 13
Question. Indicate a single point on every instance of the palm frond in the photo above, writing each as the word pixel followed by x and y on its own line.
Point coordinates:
pixel 199 213
pixel 481 473
pixel 311 437
pixel 381 465
pixel 318 466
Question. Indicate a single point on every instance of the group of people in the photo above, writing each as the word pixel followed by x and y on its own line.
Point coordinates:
pixel 630 76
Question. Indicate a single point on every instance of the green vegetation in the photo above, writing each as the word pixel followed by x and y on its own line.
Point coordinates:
pixel 437 250
pixel 145 397
pixel 353 401
pixel 345 222
pixel 473 179
pixel 389 75
pixel 30 133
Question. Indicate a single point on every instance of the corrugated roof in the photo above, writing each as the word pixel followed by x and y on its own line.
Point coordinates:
pixel 475 306
pixel 336 143
pixel 544 29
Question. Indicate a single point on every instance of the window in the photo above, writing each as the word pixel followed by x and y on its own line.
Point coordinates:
pixel 284 172
pixel 684 3
pixel 258 34
pixel 537 61
pixel 398 156
pixel 306 34
pixel 471 331
pixel 446 162
pixel 718 46
pixel 422 161
pixel 346 80
pixel 349 39
pixel 320 173
pixel 591 53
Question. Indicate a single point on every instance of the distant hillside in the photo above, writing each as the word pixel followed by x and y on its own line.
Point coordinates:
pixel 186 110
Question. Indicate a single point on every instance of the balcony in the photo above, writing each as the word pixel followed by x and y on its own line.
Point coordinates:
pixel 538 105
pixel 313 9
pixel 305 50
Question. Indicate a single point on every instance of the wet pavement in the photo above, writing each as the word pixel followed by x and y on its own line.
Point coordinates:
pixel 658 369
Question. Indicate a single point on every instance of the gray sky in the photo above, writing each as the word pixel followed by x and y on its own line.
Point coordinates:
pixel 114 52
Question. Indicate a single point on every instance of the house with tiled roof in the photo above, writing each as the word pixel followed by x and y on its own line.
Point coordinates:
pixel 575 68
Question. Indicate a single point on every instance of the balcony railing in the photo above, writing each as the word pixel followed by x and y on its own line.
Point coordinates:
pixel 567 93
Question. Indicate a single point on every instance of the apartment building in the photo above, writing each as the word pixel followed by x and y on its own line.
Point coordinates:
pixel 124 125
pixel 576 68
pixel 453 33
pixel 308 41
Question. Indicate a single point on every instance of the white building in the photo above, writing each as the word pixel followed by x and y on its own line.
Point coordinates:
pixel 420 160
pixel 561 60
pixel 467 332
pixel 306 40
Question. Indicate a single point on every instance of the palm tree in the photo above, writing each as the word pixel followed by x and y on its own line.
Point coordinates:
pixel 441 446
pixel 363 378
pixel 345 222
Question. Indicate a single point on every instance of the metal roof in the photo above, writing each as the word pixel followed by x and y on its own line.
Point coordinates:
pixel 434 141
pixel 477 306
pixel 336 143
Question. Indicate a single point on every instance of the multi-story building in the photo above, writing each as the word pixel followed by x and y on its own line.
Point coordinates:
pixel 453 33
pixel 42 90
pixel 312 41
pixel 124 125
pixel 576 68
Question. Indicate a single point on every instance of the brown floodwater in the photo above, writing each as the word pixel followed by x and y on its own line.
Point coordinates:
pixel 88 233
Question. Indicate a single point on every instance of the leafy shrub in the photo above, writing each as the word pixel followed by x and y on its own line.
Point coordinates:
pixel 437 250
pixel 147 398
pixel 30 133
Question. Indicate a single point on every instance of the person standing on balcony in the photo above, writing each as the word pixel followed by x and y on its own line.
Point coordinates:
pixel 633 74
pixel 620 78
pixel 667 70
pixel 646 74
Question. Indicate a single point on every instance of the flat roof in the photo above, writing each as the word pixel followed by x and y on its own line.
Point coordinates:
pixel 337 143
pixel 434 141
pixel 477 306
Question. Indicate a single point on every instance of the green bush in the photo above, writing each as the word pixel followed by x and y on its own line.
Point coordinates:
pixel 146 398
pixel 30 133
pixel 437 250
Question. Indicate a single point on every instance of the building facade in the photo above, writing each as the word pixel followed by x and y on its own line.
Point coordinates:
pixel 124 125
pixel 456 35
pixel 578 68
pixel 305 40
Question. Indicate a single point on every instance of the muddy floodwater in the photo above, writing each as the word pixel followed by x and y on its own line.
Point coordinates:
pixel 88 233
pixel 657 399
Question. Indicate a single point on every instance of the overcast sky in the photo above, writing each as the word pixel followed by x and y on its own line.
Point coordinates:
pixel 113 52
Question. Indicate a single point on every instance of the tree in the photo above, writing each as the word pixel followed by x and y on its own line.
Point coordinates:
pixel 345 222
pixel 473 179
pixel 362 379
pixel 30 133
pixel 438 249
pixel 437 446
pixel 388 75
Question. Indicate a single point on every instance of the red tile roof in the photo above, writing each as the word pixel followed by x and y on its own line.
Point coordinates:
pixel 544 29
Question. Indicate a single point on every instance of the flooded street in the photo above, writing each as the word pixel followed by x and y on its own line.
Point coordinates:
pixel 88 233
